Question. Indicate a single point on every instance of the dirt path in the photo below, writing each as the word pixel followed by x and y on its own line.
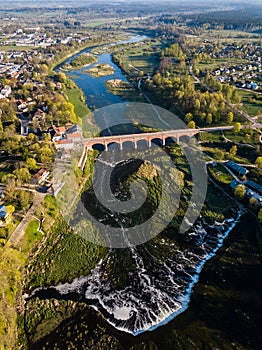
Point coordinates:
pixel 20 230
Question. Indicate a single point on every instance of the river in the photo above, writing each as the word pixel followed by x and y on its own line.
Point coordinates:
pixel 160 286
pixel 94 88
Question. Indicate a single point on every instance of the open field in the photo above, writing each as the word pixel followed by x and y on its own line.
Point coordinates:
pixel 251 102
pixel 143 57
pixel 16 48
pixel 76 98
pixel 213 64
pixel 230 35
pixel 32 235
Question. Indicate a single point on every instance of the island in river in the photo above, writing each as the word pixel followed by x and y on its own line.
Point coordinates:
pixel 83 60
pixel 100 70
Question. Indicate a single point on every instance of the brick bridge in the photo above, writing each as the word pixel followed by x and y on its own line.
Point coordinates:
pixel 148 137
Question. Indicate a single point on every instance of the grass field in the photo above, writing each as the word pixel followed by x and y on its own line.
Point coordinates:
pixel 76 98
pixel 16 48
pixel 32 235
pixel 230 36
pixel 251 103
pixel 220 174
pixel 220 62
pixel 143 57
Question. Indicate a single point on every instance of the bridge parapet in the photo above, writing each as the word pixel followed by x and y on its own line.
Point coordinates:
pixel 135 138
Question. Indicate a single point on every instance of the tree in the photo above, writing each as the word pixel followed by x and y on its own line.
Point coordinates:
pixel 247 138
pixel 22 175
pixel 32 138
pixel 24 199
pixel 230 118
pixel 191 125
pixel 45 154
pixel 10 191
pixel 31 163
pixel 260 215
pixel 46 137
pixel 240 192
pixel 233 150
pixel 253 202
pixel 219 155
pixel 10 209
pixel 257 138
pixel 237 128
pixel 188 117
pixel 209 119
pixel 43 69
pixel 259 162
pixel 197 104
pixel 61 77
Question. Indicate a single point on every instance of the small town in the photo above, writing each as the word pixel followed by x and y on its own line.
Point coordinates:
pixel 156 106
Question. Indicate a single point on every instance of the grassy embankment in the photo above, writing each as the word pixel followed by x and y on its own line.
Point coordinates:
pixel 12 260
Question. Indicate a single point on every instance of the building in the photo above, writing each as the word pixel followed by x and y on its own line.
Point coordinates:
pixel 2 212
pixel 58 133
pixel 237 168
pixel 254 195
pixel 65 144
pixel 234 184
pixel 250 194
pixel 6 91
pixel 40 177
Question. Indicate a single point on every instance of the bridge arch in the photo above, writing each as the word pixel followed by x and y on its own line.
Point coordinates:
pixel 99 146
pixel 129 144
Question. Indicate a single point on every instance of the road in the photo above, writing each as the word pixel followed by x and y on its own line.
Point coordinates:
pixel 20 230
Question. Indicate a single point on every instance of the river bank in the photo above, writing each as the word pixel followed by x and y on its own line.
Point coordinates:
pixel 228 285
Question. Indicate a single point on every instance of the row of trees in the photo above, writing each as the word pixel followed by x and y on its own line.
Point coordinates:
pixel 179 93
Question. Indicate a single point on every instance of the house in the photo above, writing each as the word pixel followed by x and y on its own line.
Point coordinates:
pixel 58 133
pixel 237 168
pixel 254 195
pixel 254 186
pixel 234 184
pixel 6 91
pixel 253 86
pixel 5 214
pixel 75 137
pixel 65 144
pixel 39 115
pixel 73 129
pixel 40 177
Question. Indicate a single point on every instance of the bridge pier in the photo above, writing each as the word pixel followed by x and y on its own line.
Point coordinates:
pixel 149 143
pixel 163 141
pixel 135 144
pixel 121 146
pixel 106 147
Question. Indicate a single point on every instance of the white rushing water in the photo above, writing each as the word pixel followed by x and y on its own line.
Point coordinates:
pixel 160 286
